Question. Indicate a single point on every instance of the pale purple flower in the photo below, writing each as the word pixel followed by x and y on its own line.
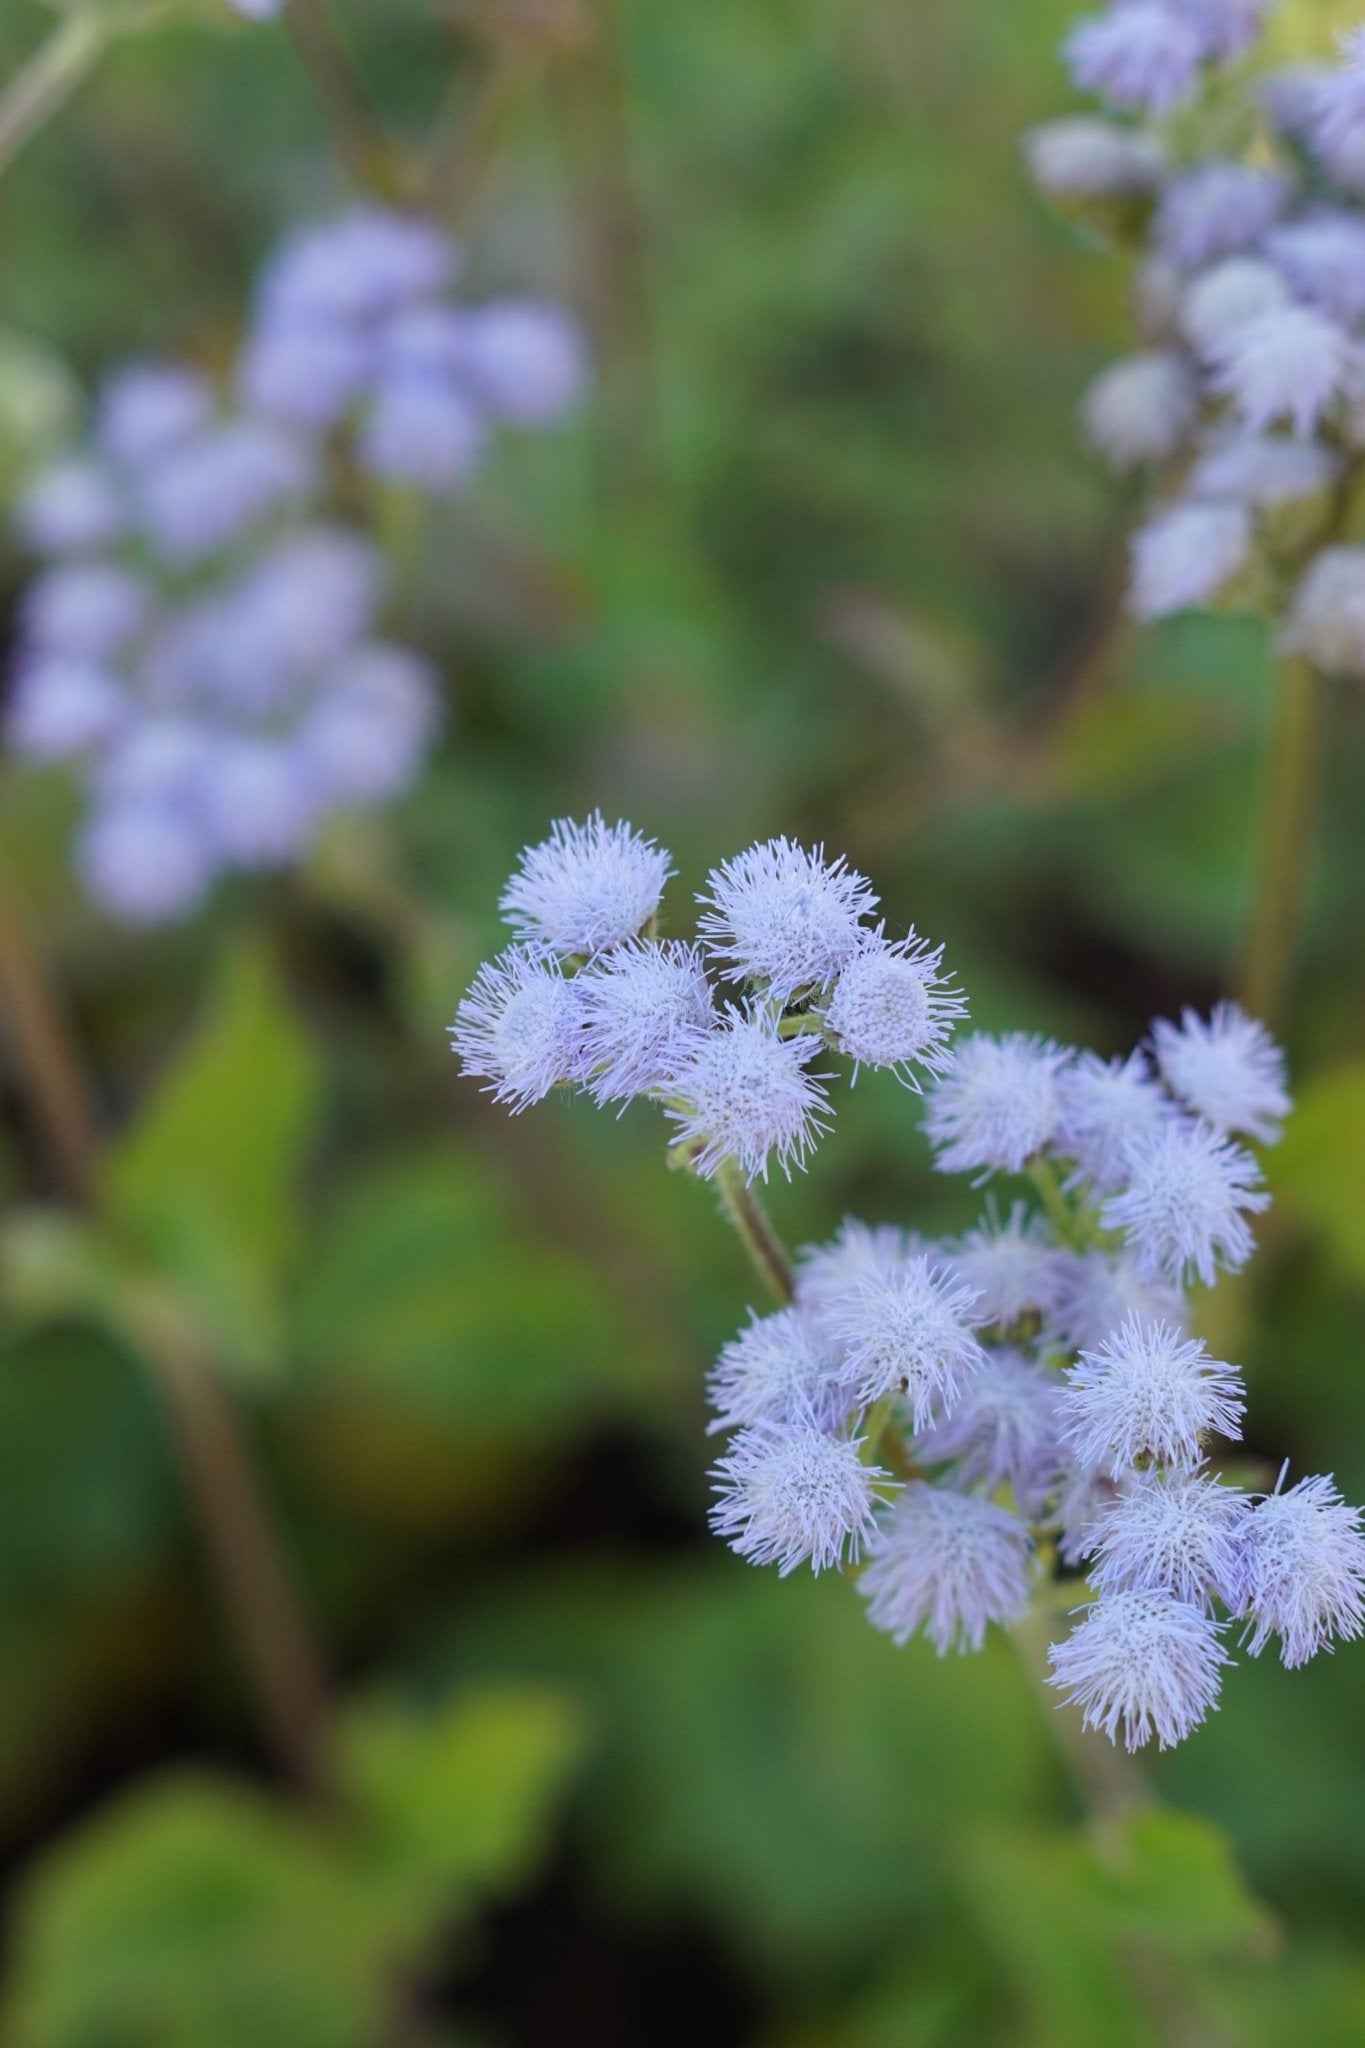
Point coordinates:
pixel 1326 620
pixel 1082 157
pixel 1147 1392
pixel 1011 1267
pixel 788 1494
pixel 422 431
pixel 60 706
pixel 1290 99
pixel 89 610
pixel 1227 1068
pixel 1106 1104
pixel 998 1104
pixel 258 10
pixel 1186 555
pixel 520 1028
pixel 586 887
pixel 1003 1430
pixel 782 1368
pixel 304 372
pixel 1142 410
pixel 947 1563
pixel 358 267
pixel 369 728
pixel 1185 1207
pixel 891 1007
pixel 1339 101
pixel 212 488
pixel 1097 1291
pixel 70 507
pixel 743 1093
pixel 1323 256
pixel 1220 301
pixel 259 804
pixel 1177 1531
pixel 1144 1662
pixel 1086 1493
pixel 143 863
pixel 1217 210
pixel 908 1331
pixel 784 916
pixel 1303 1566
pixel 1227 27
pixel 145 410
pixel 860 1252
pixel 1142 57
pixel 525 358
pixel 1288 364
pixel 646 1006
pixel 1263 469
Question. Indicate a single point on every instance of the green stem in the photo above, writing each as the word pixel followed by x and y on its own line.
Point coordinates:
pixel 1060 1213
pixel 50 76
pixel 55 1083
pixel 361 143
pixel 1287 831
pixel 756 1232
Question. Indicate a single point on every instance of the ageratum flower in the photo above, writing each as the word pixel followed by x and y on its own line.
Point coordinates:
pixel 1147 1392
pixel 1011 1267
pixel 784 916
pixel 1218 302
pixel 1097 1291
pixel 1181 1532
pixel 908 1331
pixel 520 1028
pixel 1084 158
pixel 948 1563
pixel 1217 210
pixel 1303 1571
pixel 891 1007
pixel 1228 1069
pixel 788 1494
pixel 743 1093
pixel 1106 1106
pixel 1141 410
pixel 1187 555
pixel 826 1272
pixel 1003 1430
pixel 780 1369
pixel 1189 1192
pixel 1142 57
pixel 586 888
pixel 1287 364
pixel 1146 1663
pixel 1326 621
pixel 646 1006
pixel 998 1104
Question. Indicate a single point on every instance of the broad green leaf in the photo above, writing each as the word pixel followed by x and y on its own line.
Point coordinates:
pixel 207 1176
pixel 459 1801
pixel 195 1913
pixel 1319 1170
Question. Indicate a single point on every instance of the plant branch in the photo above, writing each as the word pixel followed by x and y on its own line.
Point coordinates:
pixel 272 1631
pixel 361 143
pixel 1287 832
pixel 50 76
pixel 53 1079
pixel 756 1233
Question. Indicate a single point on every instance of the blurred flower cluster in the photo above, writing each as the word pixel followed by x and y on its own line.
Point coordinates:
pixel 1242 194
pixel 202 641
pixel 973 1416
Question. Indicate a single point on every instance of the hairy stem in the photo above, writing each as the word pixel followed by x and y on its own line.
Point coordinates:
pixel 1286 838
pixel 51 1071
pixel 756 1233
pixel 272 1632
pixel 50 76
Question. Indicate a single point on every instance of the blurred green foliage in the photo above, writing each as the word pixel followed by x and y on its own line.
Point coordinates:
pixel 825 557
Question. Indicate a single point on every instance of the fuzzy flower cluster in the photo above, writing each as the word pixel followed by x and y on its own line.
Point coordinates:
pixel 200 643
pixel 1245 401
pixel 725 1030
pixel 959 1420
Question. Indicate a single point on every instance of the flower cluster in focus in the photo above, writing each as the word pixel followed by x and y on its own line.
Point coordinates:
pixel 202 642
pixel 961 1421
pixel 1242 198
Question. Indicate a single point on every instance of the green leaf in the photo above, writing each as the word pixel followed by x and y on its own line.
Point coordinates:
pixel 1319 1170
pixel 195 1913
pixel 460 1801
pixel 207 1176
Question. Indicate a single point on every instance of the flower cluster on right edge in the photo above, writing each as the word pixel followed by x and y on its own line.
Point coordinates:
pixel 961 1420
pixel 1240 193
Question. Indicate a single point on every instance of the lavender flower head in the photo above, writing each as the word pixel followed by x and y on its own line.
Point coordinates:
pixel 947 1563
pixel 1181 1532
pixel 1229 1070
pixel 1184 1207
pixel 891 1007
pixel 908 1331
pixel 1147 1392
pixel 1303 1571
pixel 646 1006
pixel 780 1369
pixel 1148 1664
pixel 1141 56
pixel 998 1104
pixel 586 888
pixel 788 1494
pixel 785 917
pixel 520 1028
pixel 744 1093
